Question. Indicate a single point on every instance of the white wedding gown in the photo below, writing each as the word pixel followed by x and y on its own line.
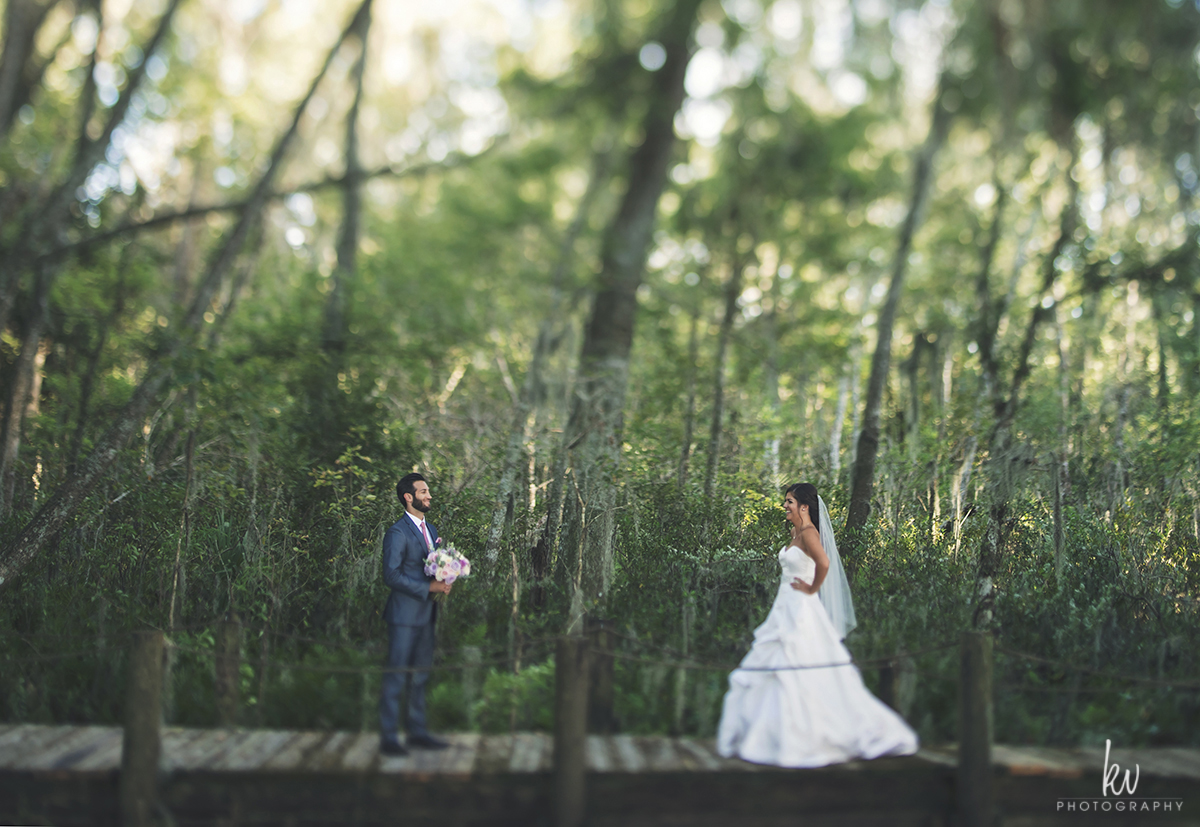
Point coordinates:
pixel 804 717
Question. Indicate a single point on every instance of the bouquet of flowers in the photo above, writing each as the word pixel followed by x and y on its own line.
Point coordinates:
pixel 446 564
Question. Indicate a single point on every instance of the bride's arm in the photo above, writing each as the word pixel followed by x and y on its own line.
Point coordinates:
pixel 816 551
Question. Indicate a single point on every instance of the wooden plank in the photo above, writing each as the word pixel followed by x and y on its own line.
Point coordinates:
pixel 362 752
pixel 1186 761
pixel 723 764
pixel 78 744
pixel 703 758
pixel 328 754
pixel 599 757
pixel 628 755
pixel 1066 757
pixel 426 761
pixel 195 751
pixel 252 752
pixel 464 749
pixel 940 755
pixel 728 764
pixel 32 740
pixel 1032 761
pixel 101 753
pixel 11 733
pixel 546 755
pixel 11 738
pixel 460 758
pixel 1156 763
pixel 1092 758
pixel 106 757
pixel 495 754
pixel 528 753
pixel 230 745
pixel 175 743
pixel 660 755
pixel 292 756
pixel 397 763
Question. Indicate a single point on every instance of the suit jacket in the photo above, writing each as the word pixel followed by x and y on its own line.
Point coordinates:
pixel 404 553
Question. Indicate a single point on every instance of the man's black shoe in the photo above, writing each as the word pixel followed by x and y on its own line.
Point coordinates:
pixel 392 748
pixel 427 742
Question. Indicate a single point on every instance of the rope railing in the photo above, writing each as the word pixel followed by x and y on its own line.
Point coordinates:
pixel 583 689
pixel 58 656
pixel 1149 681
pixel 533 646
pixel 1060 690
pixel 364 669
pixel 724 667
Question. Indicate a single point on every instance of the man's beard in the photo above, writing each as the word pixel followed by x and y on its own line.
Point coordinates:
pixel 420 506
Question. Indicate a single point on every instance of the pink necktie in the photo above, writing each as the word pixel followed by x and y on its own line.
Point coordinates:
pixel 425 531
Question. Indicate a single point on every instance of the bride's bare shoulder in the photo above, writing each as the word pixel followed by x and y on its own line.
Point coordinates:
pixel 809 542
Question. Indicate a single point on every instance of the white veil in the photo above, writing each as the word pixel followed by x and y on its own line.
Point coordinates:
pixel 835 591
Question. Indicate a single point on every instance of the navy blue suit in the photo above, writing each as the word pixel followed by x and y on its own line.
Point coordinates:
pixel 410 615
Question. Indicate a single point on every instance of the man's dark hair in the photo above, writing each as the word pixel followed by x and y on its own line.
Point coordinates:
pixel 406 486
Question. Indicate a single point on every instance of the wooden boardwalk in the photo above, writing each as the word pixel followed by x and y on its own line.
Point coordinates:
pixel 68 775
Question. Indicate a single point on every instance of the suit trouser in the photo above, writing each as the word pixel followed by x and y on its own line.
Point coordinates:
pixel 408 646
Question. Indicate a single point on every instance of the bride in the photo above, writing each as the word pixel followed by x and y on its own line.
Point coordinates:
pixel 786 704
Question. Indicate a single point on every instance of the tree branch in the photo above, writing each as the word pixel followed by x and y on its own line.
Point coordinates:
pixel 67 499
pixel 169 218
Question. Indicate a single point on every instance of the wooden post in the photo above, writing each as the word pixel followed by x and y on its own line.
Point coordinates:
pixel 228 670
pixel 143 714
pixel 570 729
pixel 976 800
pixel 600 694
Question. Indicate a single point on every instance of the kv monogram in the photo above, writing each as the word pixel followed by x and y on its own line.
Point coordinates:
pixel 1115 785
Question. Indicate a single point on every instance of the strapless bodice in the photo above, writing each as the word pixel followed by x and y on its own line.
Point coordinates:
pixel 795 563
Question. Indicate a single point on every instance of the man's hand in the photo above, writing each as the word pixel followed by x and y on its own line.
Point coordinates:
pixel 438 586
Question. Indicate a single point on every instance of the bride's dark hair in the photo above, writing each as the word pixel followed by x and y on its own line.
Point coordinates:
pixel 806 494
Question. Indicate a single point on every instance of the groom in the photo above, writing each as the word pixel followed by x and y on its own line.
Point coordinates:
pixel 410 615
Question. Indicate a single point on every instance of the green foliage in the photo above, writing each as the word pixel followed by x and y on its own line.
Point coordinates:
pixel 707 566
pixel 521 701
pixel 295 446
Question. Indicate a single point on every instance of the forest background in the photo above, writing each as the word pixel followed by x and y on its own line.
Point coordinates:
pixel 610 273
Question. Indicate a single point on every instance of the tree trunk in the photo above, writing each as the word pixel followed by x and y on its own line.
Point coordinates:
pixel 18 397
pixel 771 368
pixel 159 375
pixel 45 223
pixel 1061 470
pixel 863 477
pixel 689 411
pixel 941 400
pixel 87 99
pixel 595 423
pixel 533 387
pixel 733 289
pixel 548 560
pixel 839 418
pixel 1161 329
pixel 326 398
pixel 911 370
pixel 23 20
pixel 999 468
pixel 184 541
pixel 985 326
pixel 333 337
pixel 185 252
